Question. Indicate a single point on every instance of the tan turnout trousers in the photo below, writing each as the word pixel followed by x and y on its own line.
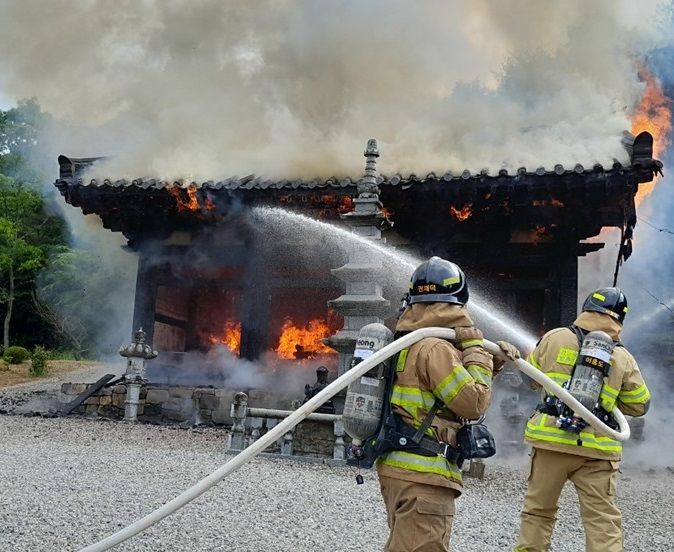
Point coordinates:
pixel 421 514
pixel 595 482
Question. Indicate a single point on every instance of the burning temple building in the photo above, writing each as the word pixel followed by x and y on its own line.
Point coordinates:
pixel 209 276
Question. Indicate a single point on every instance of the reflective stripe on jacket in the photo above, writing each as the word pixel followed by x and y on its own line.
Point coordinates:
pixel 429 370
pixel 555 355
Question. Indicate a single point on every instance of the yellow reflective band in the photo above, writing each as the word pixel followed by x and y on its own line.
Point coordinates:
pixel 531 359
pixel 559 377
pixel 556 435
pixel 607 397
pixel 625 310
pixel 552 434
pixel 599 296
pixel 449 387
pixel 450 281
pixel 609 391
pixel 402 358
pixel 636 396
pixel 424 464
pixel 472 343
pixel 479 374
pixel 412 398
pixel 567 356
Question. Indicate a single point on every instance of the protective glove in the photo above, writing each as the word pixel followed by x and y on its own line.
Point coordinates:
pixel 467 337
pixel 509 350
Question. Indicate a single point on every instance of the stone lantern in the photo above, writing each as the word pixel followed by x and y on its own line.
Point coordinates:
pixel 137 353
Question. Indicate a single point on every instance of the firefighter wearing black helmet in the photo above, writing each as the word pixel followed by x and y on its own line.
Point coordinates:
pixel 418 490
pixel 587 458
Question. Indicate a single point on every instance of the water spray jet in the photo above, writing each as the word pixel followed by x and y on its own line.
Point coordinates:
pixel 278 217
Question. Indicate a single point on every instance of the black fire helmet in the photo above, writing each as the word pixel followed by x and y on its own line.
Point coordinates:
pixel 438 281
pixel 609 301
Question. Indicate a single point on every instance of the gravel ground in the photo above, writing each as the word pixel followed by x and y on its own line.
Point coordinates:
pixel 67 482
pixel 41 394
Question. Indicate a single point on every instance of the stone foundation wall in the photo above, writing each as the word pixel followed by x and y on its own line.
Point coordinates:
pixel 164 404
pixel 174 404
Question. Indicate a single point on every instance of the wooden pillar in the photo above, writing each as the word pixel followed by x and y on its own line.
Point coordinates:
pixel 146 297
pixel 256 299
pixel 568 288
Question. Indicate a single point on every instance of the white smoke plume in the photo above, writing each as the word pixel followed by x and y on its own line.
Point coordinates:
pixel 281 88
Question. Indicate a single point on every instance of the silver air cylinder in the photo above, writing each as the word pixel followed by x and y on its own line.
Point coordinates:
pixel 593 363
pixel 365 396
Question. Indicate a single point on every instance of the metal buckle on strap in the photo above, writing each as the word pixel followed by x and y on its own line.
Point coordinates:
pixel 445 449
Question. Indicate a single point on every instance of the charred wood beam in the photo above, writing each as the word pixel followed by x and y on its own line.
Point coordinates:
pixel 146 298
pixel 256 301
pixel 169 320
pixel 84 395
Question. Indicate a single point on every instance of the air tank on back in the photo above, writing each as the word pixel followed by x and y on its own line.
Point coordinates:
pixel 592 365
pixel 365 396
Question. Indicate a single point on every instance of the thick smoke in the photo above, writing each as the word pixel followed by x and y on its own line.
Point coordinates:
pixel 646 280
pixel 294 88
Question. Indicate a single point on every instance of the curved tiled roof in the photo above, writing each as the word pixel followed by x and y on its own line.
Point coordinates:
pixel 252 182
pixel 640 151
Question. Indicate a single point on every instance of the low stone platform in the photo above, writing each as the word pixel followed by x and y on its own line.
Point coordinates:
pixel 205 406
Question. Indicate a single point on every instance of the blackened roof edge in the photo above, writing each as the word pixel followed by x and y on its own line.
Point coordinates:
pixel 640 149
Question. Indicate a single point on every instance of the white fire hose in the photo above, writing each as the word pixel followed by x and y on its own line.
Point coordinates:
pixel 340 383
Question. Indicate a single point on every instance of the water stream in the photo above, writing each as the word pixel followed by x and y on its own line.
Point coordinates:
pixel 403 264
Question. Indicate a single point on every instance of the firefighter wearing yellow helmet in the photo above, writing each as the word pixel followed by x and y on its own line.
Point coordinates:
pixel 564 447
pixel 433 376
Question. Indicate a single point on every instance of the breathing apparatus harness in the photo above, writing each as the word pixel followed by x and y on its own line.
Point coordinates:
pixel 592 365
pixel 393 433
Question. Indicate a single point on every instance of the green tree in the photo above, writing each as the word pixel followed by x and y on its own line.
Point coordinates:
pixel 27 231
pixel 25 239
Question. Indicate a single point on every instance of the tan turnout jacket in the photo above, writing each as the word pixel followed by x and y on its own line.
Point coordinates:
pixel 624 387
pixel 434 368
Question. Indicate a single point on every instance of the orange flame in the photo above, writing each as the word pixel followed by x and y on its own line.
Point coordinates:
pixel 538 233
pixel 346 205
pixel 230 337
pixel 192 201
pixel 653 114
pixel 388 214
pixel 462 214
pixel 298 342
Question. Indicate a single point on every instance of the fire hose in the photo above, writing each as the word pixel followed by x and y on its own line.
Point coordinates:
pixel 622 434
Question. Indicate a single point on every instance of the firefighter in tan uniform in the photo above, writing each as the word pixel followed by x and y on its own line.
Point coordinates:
pixel 586 458
pixel 419 490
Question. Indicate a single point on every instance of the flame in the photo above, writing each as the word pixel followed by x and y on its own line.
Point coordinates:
pixel 230 337
pixel 462 214
pixel 192 202
pixel 297 342
pixel 653 114
pixel 346 205
pixel 545 202
pixel 538 234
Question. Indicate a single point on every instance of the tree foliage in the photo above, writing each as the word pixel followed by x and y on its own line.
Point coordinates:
pixel 28 232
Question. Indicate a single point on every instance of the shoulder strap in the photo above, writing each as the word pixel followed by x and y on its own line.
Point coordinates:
pixel 426 423
pixel 580 334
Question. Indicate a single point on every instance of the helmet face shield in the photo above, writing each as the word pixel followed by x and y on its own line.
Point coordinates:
pixel 611 301
pixel 438 281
